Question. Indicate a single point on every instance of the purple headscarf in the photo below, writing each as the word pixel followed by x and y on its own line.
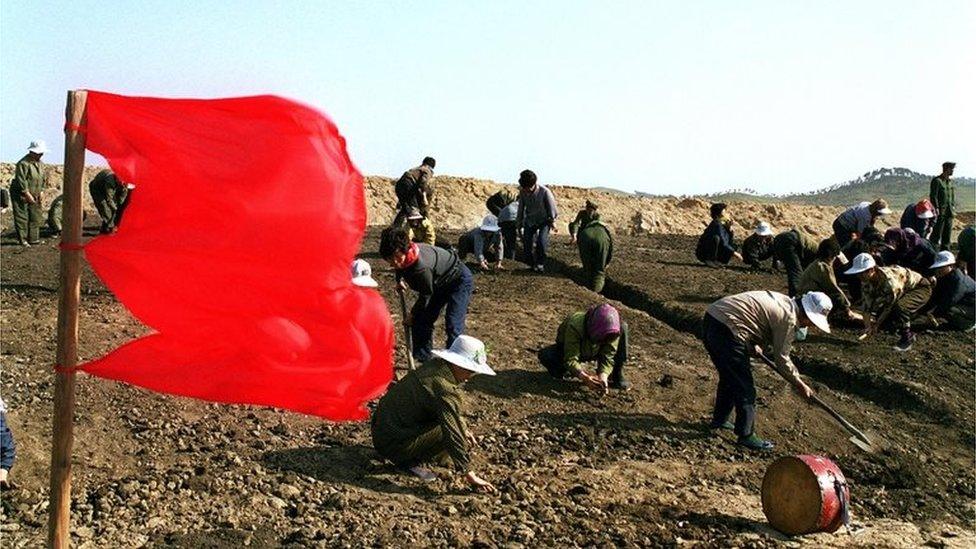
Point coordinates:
pixel 602 322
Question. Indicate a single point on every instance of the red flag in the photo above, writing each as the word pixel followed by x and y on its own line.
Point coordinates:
pixel 236 249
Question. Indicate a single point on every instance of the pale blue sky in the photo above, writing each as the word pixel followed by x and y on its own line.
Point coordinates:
pixel 666 97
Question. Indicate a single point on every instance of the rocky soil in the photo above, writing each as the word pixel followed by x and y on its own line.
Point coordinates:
pixel 631 469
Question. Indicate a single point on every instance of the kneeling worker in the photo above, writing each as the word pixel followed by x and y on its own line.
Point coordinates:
pixel 716 246
pixel 419 419
pixel 890 291
pixel 954 296
pixel 485 242
pixel 737 326
pixel 597 334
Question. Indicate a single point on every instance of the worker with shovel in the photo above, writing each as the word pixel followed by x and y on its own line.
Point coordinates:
pixel 419 419
pixel 441 281
pixel 737 326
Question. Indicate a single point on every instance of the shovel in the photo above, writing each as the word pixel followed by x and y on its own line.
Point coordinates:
pixel 407 334
pixel 859 439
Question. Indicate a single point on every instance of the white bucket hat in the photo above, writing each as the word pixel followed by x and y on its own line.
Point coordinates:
pixel 817 306
pixel 943 258
pixel 862 263
pixel 489 223
pixel 38 146
pixel 763 229
pixel 362 274
pixel 468 353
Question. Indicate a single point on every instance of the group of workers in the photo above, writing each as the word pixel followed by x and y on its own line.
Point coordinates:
pixel 900 275
pixel 109 195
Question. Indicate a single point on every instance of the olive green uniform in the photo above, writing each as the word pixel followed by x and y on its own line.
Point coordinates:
pixel 596 251
pixel 583 217
pixel 108 194
pixel 943 197
pixel 28 178
pixel 419 418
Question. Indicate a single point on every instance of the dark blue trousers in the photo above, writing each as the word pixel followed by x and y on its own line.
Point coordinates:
pixel 536 242
pixel 455 298
pixel 736 389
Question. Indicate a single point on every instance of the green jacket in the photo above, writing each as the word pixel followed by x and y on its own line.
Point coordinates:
pixel 577 347
pixel 595 243
pixel 28 176
pixel 820 277
pixel 426 398
pixel 106 184
pixel 943 196
pixel 55 212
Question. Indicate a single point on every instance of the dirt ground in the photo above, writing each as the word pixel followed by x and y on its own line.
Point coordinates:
pixel 631 469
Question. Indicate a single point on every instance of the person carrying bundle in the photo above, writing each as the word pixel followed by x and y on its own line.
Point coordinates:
pixel 853 221
pixel 420 419
pixel 741 325
pixel 584 216
pixel 597 334
pixel 441 281
pixel 485 242
pixel 716 246
pixel 414 190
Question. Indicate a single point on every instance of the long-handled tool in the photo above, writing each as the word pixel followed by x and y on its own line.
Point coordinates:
pixel 859 439
pixel 407 334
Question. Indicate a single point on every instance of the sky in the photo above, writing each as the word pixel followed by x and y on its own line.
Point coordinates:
pixel 666 97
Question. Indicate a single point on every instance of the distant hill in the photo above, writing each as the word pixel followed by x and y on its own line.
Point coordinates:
pixel 899 186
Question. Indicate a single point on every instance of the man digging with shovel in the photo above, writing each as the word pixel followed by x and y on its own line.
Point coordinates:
pixel 739 325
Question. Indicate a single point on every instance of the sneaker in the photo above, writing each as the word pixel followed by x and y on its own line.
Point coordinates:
pixel 24 243
pixel 753 442
pixel 727 425
pixel 539 269
pixel 905 342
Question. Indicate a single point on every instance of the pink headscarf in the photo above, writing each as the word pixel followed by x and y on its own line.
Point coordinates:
pixel 602 322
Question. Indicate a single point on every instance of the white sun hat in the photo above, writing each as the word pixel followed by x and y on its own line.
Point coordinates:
pixel 763 229
pixel 943 258
pixel 362 274
pixel 489 223
pixel 468 353
pixel 38 146
pixel 862 263
pixel 817 306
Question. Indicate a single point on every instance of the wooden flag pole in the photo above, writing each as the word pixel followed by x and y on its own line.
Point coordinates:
pixel 59 511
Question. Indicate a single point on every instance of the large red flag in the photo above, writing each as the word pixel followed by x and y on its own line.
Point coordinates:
pixel 236 249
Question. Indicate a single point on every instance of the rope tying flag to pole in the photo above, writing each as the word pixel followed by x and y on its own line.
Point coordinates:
pixel 236 249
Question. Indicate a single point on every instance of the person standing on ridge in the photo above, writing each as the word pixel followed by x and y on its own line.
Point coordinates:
pixel 943 197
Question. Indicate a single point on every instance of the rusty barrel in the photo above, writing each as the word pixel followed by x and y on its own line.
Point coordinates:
pixel 805 494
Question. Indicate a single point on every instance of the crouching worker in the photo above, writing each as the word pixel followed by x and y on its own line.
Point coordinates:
pixel 716 246
pixel 954 296
pixel 440 280
pixel 597 334
pixel 819 276
pixel 740 325
pixel 758 247
pixel 419 419
pixel 890 291
pixel 485 242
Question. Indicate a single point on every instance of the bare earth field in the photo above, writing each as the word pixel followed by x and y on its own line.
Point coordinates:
pixel 631 469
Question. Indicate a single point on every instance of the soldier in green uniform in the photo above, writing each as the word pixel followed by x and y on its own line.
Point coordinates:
pixel 25 194
pixel 419 419
pixel 943 198
pixel 108 194
pixel 596 251
pixel 54 214
pixel 584 216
